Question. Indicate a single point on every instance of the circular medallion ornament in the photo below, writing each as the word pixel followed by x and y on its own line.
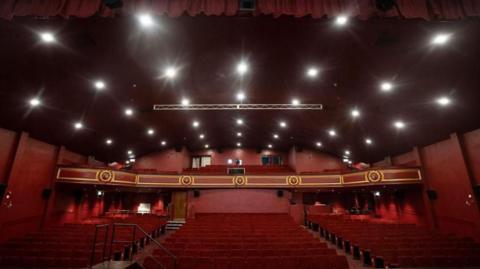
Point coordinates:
pixel 105 176
pixel 374 176
pixel 293 180
pixel 239 180
pixel 186 180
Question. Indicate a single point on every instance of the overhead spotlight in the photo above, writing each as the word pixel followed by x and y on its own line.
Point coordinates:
pixel 239 144
pixel 270 146
pixel 399 124
pixel 275 136
pixel 318 144
pixel 347 152
pixel 283 124
pixel 239 121
pixel 355 113
pixel 242 68
pixel 312 72
pixel 239 134
pixel 78 125
pixel 195 124
pixel 443 101
pixel 207 146
pixel 376 194
pixel 368 141
pixel 99 85
pixel 240 96
pixel 127 162
pixel 163 143
pixel 332 132
pixel 150 131
pixel 295 102
pixel 229 161
pixel 345 160
pixel 129 152
pixel 201 136
pixel 170 72
pixel 185 102
pixel 440 39
pixel 34 102
pixel 386 86
pixel 128 112
pixel 145 20
pixel 47 37
pixel 108 141
pixel 341 20
pixel 132 160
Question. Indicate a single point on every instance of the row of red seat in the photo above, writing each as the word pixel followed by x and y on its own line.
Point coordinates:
pixel 249 169
pixel 396 245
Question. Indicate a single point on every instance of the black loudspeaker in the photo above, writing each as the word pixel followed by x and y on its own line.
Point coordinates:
pixel 46 193
pixel 385 5
pixel 432 195
pixel 3 188
pixel 113 3
pixel 247 5
pixel 279 193
pixel 196 193
pixel 476 191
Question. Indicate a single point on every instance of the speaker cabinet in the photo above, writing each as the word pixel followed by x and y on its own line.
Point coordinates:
pixel 3 188
pixel 247 5
pixel 279 193
pixel 432 195
pixel 46 193
pixel 196 193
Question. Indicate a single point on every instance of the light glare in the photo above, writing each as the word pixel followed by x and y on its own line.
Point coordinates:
pixel 443 101
pixel 145 20
pixel 47 37
pixel 242 68
pixel 34 102
pixel 99 85
pixel 312 72
pixel 399 124
pixel 78 125
pixel 341 20
pixel 386 86
pixel 440 39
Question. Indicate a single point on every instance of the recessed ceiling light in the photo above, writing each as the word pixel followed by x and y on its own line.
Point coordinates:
pixel 295 102
pixel 170 72
pixel 368 141
pixel 78 125
pixel 386 86
pixel 145 20
pixel 240 96
pixel 332 132
pixel 108 141
pixel 207 146
pixel 440 39
pixel 312 72
pixel 355 113
pixel 399 124
pixel 270 146
pixel 163 143
pixel 443 101
pixel 196 124
pixel 185 102
pixel 283 124
pixel 239 144
pixel 341 20
pixel 275 136
pixel 128 112
pixel 239 134
pixel 34 102
pixel 201 136
pixel 242 68
pixel 99 85
pixel 318 144
pixel 150 131
pixel 129 152
pixel 47 37
pixel 347 152
pixel 239 121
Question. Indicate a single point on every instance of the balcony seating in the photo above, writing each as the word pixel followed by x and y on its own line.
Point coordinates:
pixel 397 245
pixel 254 241
pixel 249 169
pixel 70 245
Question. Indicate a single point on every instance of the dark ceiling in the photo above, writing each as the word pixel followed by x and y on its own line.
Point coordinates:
pixel 353 60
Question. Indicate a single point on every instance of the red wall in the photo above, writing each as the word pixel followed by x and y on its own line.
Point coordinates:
pixel 315 161
pixel 472 149
pixel 8 140
pixel 248 156
pixel 167 160
pixel 131 201
pixel 409 209
pixel 239 201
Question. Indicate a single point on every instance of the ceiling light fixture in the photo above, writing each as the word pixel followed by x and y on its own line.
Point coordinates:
pixel 195 124
pixel 440 39
pixel 129 152
pixel 312 72
pixel 239 121
pixel 240 96
pixel 185 102
pixel 47 37
pixel 341 20
pixel 318 144
pixel 368 141
pixel 355 113
pixel 163 143
pixel 201 136
pixel 207 146
pixel 128 112
pixel 399 124
pixel 34 102
pixel 242 68
pixel 347 152
pixel 239 144
pixel 443 101
pixel 150 131
pixel 239 134
pixel 170 72
pixel 99 85
pixel 386 86
pixel 108 141
pixel 145 20
pixel 295 102
pixel 332 132
pixel 275 136
pixel 270 146
pixel 78 125
pixel 283 124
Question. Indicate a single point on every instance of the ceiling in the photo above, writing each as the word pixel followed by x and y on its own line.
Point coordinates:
pixel 353 60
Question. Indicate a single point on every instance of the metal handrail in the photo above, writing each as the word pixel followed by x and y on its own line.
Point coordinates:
pixel 136 226
pixel 92 256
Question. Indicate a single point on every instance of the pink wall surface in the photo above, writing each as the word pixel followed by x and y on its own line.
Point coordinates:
pixel 406 159
pixel 248 156
pixel 165 160
pixel 239 201
pixel 315 161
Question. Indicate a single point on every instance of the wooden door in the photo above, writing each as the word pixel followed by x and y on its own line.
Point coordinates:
pixel 179 205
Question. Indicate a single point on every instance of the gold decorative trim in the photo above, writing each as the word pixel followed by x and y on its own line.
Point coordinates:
pixel 374 176
pixel 186 180
pixel 293 180
pixel 240 180
pixel 105 176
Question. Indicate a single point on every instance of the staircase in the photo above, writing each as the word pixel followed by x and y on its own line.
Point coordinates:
pixel 174 224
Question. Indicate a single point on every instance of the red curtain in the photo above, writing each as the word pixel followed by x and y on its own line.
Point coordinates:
pixel 363 9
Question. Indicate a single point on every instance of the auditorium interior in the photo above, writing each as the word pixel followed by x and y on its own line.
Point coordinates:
pixel 240 134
